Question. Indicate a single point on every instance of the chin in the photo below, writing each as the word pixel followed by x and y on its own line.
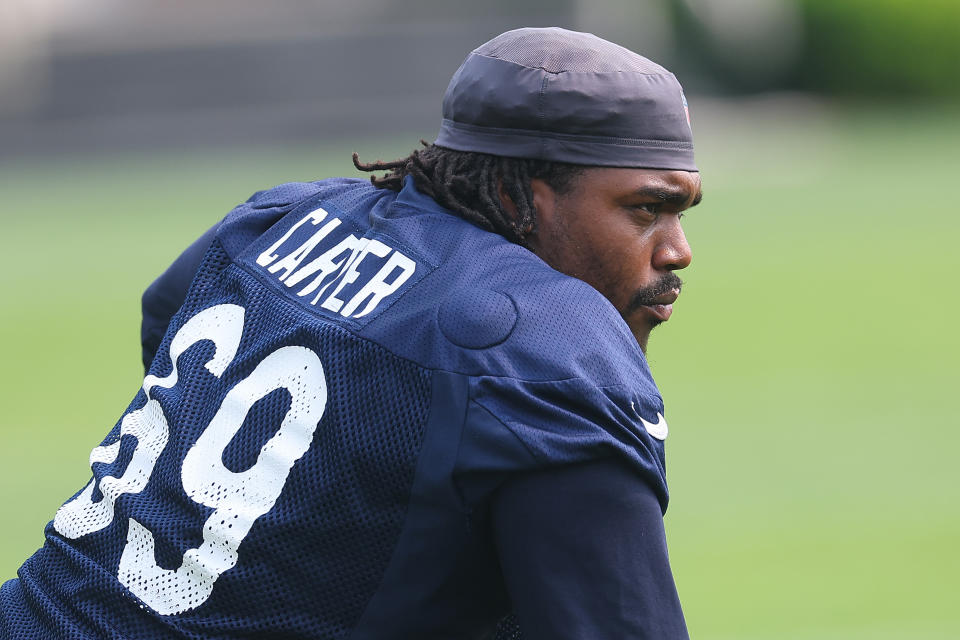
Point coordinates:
pixel 642 334
pixel 642 338
pixel 641 324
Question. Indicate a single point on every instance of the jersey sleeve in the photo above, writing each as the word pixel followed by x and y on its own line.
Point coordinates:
pixel 584 555
pixel 567 446
pixel 514 426
pixel 166 294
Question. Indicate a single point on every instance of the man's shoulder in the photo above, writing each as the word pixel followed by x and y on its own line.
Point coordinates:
pixel 562 327
pixel 252 218
pixel 493 308
pixel 295 192
pixel 481 305
pixel 569 381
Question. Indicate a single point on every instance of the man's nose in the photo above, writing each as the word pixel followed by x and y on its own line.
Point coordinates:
pixel 672 252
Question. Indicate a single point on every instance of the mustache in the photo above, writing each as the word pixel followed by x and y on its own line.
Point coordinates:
pixel 648 294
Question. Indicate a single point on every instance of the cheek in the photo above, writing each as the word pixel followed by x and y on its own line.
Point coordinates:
pixel 607 250
pixel 615 275
pixel 627 255
pixel 630 272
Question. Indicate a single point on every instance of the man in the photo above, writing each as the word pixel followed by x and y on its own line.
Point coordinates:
pixel 404 409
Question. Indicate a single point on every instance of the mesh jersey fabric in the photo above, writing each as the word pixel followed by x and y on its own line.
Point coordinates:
pixel 423 418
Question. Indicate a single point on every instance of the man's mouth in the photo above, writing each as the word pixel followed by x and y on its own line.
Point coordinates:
pixel 661 306
pixel 656 300
pixel 667 298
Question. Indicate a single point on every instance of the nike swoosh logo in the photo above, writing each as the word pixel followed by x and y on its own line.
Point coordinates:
pixel 658 430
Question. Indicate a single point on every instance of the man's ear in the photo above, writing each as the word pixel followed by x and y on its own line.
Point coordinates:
pixel 508 204
pixel 544 198
pixel 544 201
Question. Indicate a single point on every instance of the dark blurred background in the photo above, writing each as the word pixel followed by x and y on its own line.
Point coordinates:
pixel 80 75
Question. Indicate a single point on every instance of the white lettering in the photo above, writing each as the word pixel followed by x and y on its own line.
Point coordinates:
pixel 378 288
pixel 351 274
pixel 293 260
pixel 329 275
pixel 268 256
pixel 325 264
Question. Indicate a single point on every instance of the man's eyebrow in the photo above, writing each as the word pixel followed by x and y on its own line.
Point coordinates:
pixel 677 196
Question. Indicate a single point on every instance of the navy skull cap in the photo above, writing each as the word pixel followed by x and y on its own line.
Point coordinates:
pixel 565 96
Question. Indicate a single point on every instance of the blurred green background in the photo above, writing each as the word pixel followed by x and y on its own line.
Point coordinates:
pixel 808 371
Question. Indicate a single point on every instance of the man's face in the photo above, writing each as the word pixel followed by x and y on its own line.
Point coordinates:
pixel 619 231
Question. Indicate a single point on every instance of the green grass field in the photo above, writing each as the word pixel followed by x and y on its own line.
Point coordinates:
pixel 809 370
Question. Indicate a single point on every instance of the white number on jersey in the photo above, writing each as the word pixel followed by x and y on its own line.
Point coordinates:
pixel 237 499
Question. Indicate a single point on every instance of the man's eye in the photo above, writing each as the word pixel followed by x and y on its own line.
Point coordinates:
pixel 652 208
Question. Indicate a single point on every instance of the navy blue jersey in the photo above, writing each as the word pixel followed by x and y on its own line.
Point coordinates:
pixel 360 424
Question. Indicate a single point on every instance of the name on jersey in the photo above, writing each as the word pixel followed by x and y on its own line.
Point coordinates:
pixel 333 270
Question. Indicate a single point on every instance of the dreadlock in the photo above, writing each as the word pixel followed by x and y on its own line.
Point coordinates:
pixel 467 183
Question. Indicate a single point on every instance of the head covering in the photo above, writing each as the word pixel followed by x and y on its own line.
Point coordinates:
pixel 565 96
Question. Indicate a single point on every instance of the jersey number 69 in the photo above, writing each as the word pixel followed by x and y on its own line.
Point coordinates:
pixel 237 499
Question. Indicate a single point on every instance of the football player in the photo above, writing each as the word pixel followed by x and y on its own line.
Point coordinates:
pixel 404 408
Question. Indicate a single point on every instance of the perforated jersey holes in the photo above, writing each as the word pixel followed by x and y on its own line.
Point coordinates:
pixel 203 475
pixel 349 491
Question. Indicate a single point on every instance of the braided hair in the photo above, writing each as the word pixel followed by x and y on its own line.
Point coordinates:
pixel 467 183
